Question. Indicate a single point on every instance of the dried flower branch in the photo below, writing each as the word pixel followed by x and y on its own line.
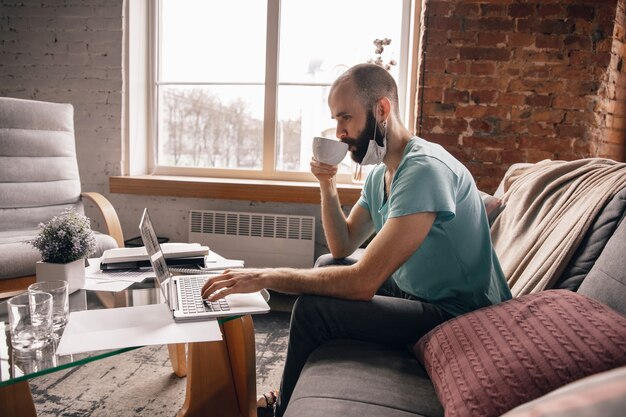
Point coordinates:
pixel 380 48
pixel 65 238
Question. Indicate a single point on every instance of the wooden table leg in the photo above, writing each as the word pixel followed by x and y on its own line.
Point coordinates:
pixel 17 401
pixel 210 390
pixel 178 359
pixel 239 337
pixel 221 378
pixel 112 299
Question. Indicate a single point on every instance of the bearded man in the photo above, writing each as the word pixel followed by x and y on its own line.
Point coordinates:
pixel 431 258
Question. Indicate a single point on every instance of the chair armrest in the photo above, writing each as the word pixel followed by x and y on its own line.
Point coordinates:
pixel 112 222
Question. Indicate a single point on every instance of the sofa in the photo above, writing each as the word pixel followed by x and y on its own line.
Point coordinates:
pixel 514 358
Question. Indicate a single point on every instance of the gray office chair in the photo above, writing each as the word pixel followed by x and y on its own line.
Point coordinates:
pixel 38 179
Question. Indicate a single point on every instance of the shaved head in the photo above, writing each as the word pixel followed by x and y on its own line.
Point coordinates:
pixel 371 83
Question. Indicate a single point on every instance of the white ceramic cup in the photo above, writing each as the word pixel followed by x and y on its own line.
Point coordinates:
pixel 329 151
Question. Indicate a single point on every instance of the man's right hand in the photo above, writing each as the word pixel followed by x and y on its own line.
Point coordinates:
pixel 324 173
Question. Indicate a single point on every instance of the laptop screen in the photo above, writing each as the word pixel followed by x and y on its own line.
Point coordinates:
pixel 155 254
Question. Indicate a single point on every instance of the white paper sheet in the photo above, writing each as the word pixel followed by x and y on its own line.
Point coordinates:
pixel 117 328
pixel 102 285
pixel 216 262
pixel 221 264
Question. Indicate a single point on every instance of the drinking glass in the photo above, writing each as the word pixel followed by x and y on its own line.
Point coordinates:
pixel 25 362
pixel 60 301
pixel 30 320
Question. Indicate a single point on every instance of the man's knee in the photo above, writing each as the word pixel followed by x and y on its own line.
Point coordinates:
pixel 328 260
pixel 305 307
pixel 312 311
pixel 325 260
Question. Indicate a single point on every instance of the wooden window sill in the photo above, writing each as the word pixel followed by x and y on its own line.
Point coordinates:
pixel 228 189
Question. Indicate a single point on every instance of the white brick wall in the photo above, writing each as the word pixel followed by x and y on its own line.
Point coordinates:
pixel 71 51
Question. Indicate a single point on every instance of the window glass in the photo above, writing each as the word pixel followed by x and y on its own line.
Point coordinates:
pixel 216 41
pixel 211 126
pixel 210 87
pixel 211 74
pixel 319 41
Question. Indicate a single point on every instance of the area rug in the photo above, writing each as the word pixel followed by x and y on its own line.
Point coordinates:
pixel 141 382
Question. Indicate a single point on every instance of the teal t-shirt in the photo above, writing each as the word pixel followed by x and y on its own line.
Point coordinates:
pixel 456 267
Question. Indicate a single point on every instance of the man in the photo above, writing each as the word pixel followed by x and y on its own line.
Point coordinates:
pixel 432 237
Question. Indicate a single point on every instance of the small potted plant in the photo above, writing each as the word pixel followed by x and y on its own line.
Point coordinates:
pixel 64 243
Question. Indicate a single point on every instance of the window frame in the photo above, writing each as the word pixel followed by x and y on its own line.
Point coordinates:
pixel 141 132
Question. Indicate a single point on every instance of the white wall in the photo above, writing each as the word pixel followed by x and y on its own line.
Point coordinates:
pixel 71 51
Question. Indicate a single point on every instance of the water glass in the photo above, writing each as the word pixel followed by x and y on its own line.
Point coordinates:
pixel 27 362
pixel 30 320
pixel 60 301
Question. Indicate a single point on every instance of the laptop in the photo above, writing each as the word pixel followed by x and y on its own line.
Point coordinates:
pixel 182 293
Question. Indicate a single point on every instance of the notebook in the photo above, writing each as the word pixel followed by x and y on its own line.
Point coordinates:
pixel 182 293
pixel 170 250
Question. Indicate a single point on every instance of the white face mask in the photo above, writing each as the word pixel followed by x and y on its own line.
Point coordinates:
pixel 376 153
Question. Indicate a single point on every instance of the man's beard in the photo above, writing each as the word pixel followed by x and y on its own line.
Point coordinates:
pixel 361 143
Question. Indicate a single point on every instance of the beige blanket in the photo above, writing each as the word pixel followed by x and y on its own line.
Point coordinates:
pixel 549 207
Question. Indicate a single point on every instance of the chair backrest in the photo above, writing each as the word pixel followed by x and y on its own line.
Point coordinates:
pixel 38 168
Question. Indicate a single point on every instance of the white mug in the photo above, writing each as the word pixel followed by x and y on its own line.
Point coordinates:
pixel 329 151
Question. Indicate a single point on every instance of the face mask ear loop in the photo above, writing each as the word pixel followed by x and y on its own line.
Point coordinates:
pixel 358 172
pixel 384 123
pixel 384 132
pixel 375 123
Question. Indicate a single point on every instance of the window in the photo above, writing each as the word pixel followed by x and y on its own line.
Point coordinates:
pixel 240 87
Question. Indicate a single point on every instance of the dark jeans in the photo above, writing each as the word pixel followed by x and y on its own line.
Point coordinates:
pixel 391 317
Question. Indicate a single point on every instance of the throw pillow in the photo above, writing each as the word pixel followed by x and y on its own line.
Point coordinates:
pixel 491 360
pixel 603 394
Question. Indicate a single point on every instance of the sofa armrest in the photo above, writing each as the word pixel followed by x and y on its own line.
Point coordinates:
pixel 112 222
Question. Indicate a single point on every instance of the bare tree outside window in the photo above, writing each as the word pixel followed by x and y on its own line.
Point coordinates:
pixel 198 130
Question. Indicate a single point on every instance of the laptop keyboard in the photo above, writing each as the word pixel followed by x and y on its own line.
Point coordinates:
pixel 187 271
pixel 192 301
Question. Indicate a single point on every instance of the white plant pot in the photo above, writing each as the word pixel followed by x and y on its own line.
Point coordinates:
pixel 72 272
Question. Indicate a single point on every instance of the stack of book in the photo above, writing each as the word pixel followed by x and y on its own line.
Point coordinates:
pixel 176 254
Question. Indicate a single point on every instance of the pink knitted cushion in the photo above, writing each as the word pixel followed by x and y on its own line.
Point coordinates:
pixel 489 361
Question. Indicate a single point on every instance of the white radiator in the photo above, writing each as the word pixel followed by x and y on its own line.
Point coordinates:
pixel 261 240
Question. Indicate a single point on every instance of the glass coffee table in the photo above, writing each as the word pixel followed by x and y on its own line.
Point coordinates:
pixel 221 376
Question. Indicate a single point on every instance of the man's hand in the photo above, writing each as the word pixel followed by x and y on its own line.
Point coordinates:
pixel 323 172
pixel 234 281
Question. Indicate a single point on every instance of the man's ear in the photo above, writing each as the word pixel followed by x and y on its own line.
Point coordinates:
pixel 383 108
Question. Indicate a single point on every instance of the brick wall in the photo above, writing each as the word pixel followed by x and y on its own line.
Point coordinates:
pixel 511 81
pixel 610 116
pixel 71 52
